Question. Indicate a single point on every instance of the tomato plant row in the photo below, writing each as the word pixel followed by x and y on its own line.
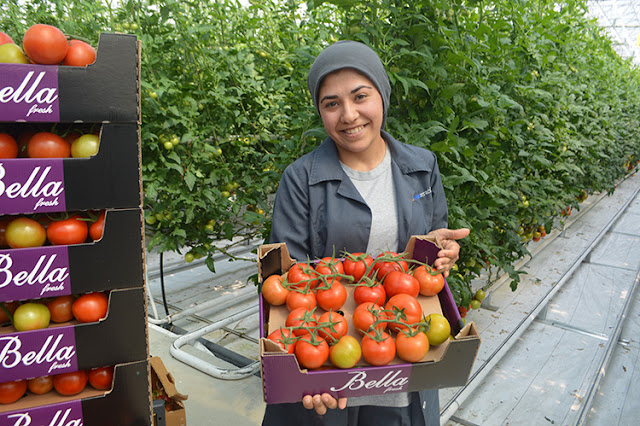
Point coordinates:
pixel 65 384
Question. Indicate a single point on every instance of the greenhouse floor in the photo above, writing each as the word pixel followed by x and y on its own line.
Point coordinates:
pixel 562 349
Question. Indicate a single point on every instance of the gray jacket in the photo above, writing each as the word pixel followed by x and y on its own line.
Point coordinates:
pixel 318 209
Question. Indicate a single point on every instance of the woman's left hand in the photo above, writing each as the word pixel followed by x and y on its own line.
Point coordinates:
pixel 450 251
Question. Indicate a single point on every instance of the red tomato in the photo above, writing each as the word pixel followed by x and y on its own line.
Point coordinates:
pixel 346 353
pixel 3 232
pixel 96 229
pixel 412 348
pixel 405 308
pixel 4 38
pixel 430 283
pixel 397 282
pixel 356 264
pixel 90 307
pixel 48 145
pixel 10 392
pixel 311 355
pixel 378 353
pixel 11 307
pixel 273 291
pixel 301 299
pixel 24 232
pixel 374 293
pixel 395 263
pixel 71 383
pixel 365 315
pixel 334 326
pixel 101 378
pixel 45 44
pixel 73 230
pixel 329 266
pixel 60 308
pixel 285 338
pixel 333 297
pixel 80 54
pixel 8 146
pixel 23 141
pixel 301 275
pixel 40 385
pixel 463 311
pixel 301 317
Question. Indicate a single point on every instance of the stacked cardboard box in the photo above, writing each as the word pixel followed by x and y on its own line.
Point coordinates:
pixel 105 93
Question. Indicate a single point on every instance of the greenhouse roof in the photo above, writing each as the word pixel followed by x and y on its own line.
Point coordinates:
pixel 621 19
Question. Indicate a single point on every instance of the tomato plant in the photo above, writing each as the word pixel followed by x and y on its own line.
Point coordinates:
pixel 357 265
pixel 31 316
pixel 60 308
pixel 90 307
pixel 346 352
pixel 396 282
pixel 431 283
pixel 302 320
pixel 80 54
pixel 412 345
pixel 404 308
pixel 8 146
pixel 45 44
pixel 273 291
pixel 101 378
pixel 439 329
pixel 10 392
pixel 332 295
pixel 379 349
pixel 48 145
pixel 40 385
pixel 73 230
pixel 71 383
pixel 285 338
pixel 24 232
pixel 312 352
pixel 332 326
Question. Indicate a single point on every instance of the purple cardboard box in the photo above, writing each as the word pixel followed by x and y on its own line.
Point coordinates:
pixel 445 365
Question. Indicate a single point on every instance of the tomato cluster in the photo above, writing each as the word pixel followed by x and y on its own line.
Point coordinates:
pixel 66 384
pixel 38 314
pixel 387 319
pixel 20 231
pixel 46 45
pixel 32 142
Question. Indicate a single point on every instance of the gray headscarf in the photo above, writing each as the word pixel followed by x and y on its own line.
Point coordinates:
pixel 350 54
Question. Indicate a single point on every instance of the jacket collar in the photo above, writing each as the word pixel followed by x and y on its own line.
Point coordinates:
pixel 325 164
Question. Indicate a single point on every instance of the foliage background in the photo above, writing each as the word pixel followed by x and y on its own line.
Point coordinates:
pixel 525 103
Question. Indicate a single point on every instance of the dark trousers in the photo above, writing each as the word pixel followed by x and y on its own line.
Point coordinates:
pixel 423 410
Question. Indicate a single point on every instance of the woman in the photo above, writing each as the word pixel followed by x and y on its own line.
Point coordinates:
pixel 361 190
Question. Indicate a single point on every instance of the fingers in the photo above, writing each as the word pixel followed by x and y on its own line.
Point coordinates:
pixel 322 403
pixel 451 234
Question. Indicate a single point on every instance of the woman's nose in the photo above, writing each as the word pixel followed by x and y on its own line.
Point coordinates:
pixel 349 112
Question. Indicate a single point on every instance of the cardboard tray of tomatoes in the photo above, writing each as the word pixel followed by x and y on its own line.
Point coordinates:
pixel 126 403
pixel 106 91
pixel 110 179
pixel 113 262
pixel 119 337
pixel 284 380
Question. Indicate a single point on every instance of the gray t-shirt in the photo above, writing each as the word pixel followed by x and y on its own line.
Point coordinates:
pixel 376 188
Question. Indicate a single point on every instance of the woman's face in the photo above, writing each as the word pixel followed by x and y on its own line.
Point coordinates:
pixel 351 110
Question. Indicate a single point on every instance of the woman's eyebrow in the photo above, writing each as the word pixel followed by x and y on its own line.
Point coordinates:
pixel 363 86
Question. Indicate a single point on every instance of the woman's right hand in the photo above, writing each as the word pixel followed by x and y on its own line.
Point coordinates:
pixel 321 403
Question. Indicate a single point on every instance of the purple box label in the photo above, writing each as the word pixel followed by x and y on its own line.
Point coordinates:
pixel 34 273
pixel 38 353
pixel 31 186
pixel 61 414
pixel 29 93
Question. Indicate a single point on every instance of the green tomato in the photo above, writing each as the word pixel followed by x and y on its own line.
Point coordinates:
pixel 225 194
pixel 346 353
pixel 151 219
pixel 475 304
pixel 480 295
pixel 134 26
pixel 85 146
pixel 439 329
pixel 10 53
pixel 189 257
pixel 31 316
pixel 168 145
